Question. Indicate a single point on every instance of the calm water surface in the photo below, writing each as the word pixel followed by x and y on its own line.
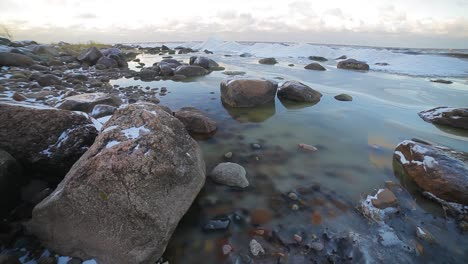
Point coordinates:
pixel 355 142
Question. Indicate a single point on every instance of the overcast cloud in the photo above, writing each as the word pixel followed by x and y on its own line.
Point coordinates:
pixel 416 23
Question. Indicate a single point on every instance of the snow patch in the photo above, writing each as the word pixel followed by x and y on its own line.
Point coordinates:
pixel 112 143
pixel 135 132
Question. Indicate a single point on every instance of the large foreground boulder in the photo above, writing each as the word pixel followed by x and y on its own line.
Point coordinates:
pixel 44 139
pixel 86 102
pixel 299 92
pixel 195 121
pixel 435 169
pixel 15 59
pixel 247 92
pixel 90 55
pixel 447 116
pixel 352 64
pixel 121 202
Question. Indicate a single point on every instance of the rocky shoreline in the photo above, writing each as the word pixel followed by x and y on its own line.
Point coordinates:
pixel 95 171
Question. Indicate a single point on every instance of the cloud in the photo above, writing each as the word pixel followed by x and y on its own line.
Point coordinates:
pixel 87 16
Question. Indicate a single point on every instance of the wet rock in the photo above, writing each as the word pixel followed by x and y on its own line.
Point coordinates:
pixel 90 55
pixel 226 249
pixel 343 57
pixel 255 146
pixel 166 70
pixel 442 81
pixel 195 121
pixel 38 67
pixel 86 102
pixel 203 62
pixel 14 59
pixel 45 50
pixel 49 80
pixel 344 97
pixel 232 73
pixel 44 139
pixel 6 258
pixel 102 110
pixel 111 51
pixel 447 116
pixel 4 41
pixel 11 178
pixel 317 58
pixel 247 92
pixel 315 67
pixel 149 73
pixel 32 192
pixel 228 155
pixel 435 169
pixel 269 61
pixel 352 64
pixel 19 97
pixel 218 224
pixel 299 92
pixel 121 202
pixel 385 198
pixel 382 64
pixel 423 234
pixel 230 174
pixel 306 147
pixel 256 248
pixel 317 246
pixel 190 70
pixel 107 63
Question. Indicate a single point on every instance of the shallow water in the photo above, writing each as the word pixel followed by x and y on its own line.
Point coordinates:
pixel 355 142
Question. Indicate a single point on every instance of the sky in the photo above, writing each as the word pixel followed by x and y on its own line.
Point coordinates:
pixel 396 23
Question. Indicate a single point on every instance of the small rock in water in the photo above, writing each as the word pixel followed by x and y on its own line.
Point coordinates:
pixel 227 249
pixel 442 81
pixel 297 238
pixel 307 147
pixel 228 155
pixel 270 61
pixel 317 246
pixel 293 196
pixel 18 97
pixel 256 146
pixel 385 199
pixel 230 174
pixel 423 234
pixel 344 97
pixel 295 207
pixel 220 224
pixel 256 248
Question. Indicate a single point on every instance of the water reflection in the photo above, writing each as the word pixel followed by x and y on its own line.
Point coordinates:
pixel 296 105
pixel 252 114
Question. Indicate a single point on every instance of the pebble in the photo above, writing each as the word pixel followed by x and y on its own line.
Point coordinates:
pixel 256 248
pixel 297 238
pixel 255 146
pixel 228 155
pixel 317 246
pixel 295 207
pixel 385 199
pixel 307 147
pixel 227 249
pixel 293 196
pixel 217 224
pixel 423 234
